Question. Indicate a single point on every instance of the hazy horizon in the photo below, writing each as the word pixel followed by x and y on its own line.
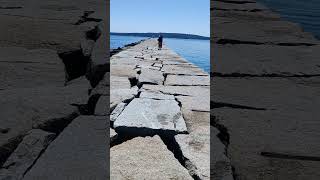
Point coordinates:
pixel 160 33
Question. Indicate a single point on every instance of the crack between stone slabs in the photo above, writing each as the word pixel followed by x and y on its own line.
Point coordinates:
pixel 164 78
pixel 39 155
pixel 215 105
pixel 174 147
pixel 224 137
pixel 177 74
pixel 240 75
pixel 7 149
pixel 188 85
pixel 289 156
pixel 75 62
pixel 224 41
pixel 11 7
pixel 85 18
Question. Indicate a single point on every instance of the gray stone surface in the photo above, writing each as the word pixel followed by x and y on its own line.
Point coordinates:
pixel 22 68
pixel 117 111
pixel 117 82
pixel 80 151
pixel 183 69
pixel 151 115
pixel 219 162
pixel 145 158
pixel 26 154
pixel 260 31
pixel 156 95
pixel 265 59
pixel 148 76
pixel 180 90
pixel 119 95
pixel 288 125
pixel 196 147
pixel 102 106
pixel 179 80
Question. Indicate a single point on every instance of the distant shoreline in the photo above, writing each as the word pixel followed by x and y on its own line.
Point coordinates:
pixel 165 35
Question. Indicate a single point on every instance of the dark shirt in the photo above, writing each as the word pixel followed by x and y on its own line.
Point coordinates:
pixel 160 39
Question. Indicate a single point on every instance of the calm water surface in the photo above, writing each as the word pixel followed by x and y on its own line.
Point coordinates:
pixel 195 51
pixel 304 12
pixel 119 41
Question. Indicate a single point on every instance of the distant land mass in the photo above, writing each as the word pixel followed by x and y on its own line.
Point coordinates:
pixel 165 35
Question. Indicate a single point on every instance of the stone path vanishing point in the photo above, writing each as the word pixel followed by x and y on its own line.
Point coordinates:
pixel 160 116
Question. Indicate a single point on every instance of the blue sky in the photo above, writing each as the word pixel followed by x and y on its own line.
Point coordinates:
pixel 173 16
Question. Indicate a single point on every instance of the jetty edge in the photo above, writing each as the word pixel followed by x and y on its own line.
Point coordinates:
pixel 160 115
pixel 265 87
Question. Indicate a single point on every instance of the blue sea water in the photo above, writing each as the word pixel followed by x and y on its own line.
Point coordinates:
pixel 304 12
pixel 193 50
pixel 119 41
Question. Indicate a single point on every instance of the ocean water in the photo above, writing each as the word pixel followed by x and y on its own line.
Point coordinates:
pixel 193 50
pixel 119 41
pixel 304 12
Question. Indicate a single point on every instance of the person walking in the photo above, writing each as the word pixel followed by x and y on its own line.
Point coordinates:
pixel 160 40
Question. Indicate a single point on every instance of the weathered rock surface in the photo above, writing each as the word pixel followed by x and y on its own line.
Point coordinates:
pixel 156 109
pixel 156 95
pixel 117 111
pixel 120 95
pixel 102 106
pixel 196 147
pixel 288 125
pixel 149 76
pixel 180 90
pixel 148 114
pixel 265 60
pixel 80 151
pixel 26 154
pixel 145 158
pixel 179 80
pixel 259 103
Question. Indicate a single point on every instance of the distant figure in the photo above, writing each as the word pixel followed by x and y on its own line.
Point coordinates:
pixel 160 40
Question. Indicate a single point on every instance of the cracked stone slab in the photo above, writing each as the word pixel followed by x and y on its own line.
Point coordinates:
pixel 117 70
pixel 183 69
pixel 195 91
pixel 145 158
pixel 117 82
pixel 26 154
pixel 80 151
pixel 149 76
pixel 196 148
pixel 39 107
pixel 265 59
pixel 260 31
pixel 179 80
pixel 199 103
pixel 289 125
pixel 102 106
pixel 150 115
pixel 119 95
pixel 117 111
pixel 219 162
pixel 23 68
pixel 156 95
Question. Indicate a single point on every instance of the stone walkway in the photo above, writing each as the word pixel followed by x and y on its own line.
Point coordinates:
pixel 160 113
pixel 265 92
